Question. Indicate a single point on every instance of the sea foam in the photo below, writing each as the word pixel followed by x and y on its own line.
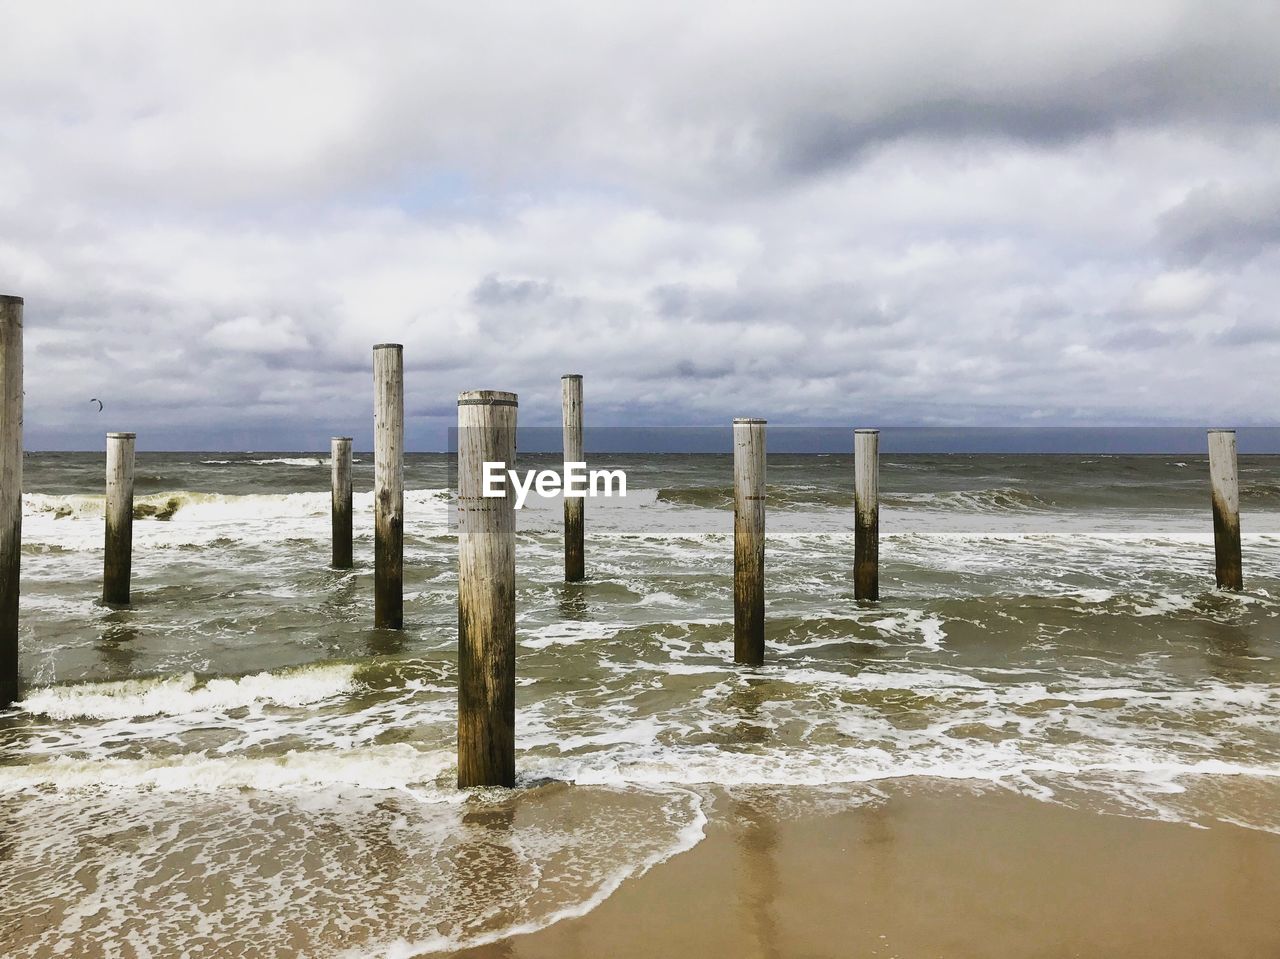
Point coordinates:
pixel 185 694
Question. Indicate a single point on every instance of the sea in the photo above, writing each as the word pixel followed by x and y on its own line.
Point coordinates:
pixel 239 764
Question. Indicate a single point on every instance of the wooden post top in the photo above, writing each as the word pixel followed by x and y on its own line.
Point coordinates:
pixel 340 439
pixel 866 431
pixel 121 436
pixel 571 376
pixel 747 420
pixel 10 299
pixel 487 398
pixel 388 346
pixel 1221 429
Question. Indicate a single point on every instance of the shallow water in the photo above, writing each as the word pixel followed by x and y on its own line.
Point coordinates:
pixel 240 758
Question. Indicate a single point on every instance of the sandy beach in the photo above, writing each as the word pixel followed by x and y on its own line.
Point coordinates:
pixel 943 872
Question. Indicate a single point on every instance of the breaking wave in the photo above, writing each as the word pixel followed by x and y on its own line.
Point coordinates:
pixel 178 695
pixel 209 507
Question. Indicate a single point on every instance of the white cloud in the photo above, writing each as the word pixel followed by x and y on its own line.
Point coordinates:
pixel 915 212
pixel 1177 292
pixel 252 334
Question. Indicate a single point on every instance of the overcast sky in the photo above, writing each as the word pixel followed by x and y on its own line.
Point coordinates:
pixel 821 213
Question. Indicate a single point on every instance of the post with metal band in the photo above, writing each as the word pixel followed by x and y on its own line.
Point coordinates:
pixel 340 473
pixel 1225 484
pixel 10 491
pixel 388 486
pixel 748 541
pixel 117 561
pixel 486 591
pixel 866 510
pixel 574 506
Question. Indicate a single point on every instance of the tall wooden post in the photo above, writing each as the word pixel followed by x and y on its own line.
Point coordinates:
pixel 1225 484
pixel 388 486
pixel 574 506
pixel 117 561
pixel 866 510
pixel 486 592
pixel 10 491
pixel 748 541
pixel 340 473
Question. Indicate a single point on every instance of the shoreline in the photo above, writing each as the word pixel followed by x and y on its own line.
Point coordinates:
pixel 944 871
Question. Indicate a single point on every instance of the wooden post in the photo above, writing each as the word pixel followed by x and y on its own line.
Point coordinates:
pixel 388 486
pixel 486 592
pixel 574 506
pixel 340 472
pixel 10 491
pixel 117 560
pixel 748 541
pixel 1226 508
pixel 866 511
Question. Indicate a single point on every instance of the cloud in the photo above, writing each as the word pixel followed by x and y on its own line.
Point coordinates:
pixel 252 334
pixel 917 212
pixel 496 291
pixel 1180 292
pixel 1225 226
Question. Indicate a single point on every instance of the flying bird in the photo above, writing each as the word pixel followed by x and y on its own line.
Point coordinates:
pixel 98 401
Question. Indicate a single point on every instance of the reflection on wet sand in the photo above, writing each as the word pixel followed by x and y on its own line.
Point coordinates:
pixel 488 866
pixel 758 870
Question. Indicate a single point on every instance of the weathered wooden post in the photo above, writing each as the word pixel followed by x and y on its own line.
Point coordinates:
pixel 117 560
pixel 748 540
pixel 388 486
pixel 10 491
pixel 1226 508
pixel 574 506
pixel 340 474
pixel 486 592
pixel 866 510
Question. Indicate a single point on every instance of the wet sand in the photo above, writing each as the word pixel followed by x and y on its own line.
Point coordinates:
pixel 939 872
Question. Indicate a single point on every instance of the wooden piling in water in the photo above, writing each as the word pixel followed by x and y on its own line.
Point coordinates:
pixel 388 486
pixel 117 560
pixel 486 592
pixel 574 506
pixel 10 491
pixel 866 513
pixel 748 540
pixel 1225 484
pixel 340 474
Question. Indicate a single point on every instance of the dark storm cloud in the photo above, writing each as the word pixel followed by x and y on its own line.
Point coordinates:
pixel 1214 224
pixel 689 370
pixel 1215 81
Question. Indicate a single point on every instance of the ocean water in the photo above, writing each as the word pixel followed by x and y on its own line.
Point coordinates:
pixel 239 765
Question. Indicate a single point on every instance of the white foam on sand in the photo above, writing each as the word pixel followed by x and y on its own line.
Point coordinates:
pixel 346 871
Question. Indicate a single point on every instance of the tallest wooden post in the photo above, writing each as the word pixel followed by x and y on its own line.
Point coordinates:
pixel 486 591
pixel 388 486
